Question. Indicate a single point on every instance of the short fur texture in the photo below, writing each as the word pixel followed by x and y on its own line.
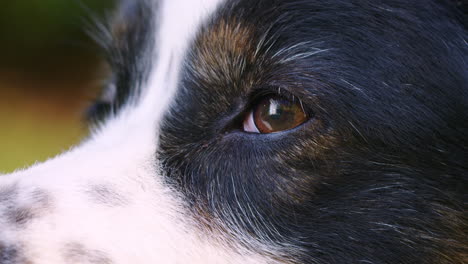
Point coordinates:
pixel 378 174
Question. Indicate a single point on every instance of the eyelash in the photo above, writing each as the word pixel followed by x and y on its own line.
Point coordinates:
pixel 259 93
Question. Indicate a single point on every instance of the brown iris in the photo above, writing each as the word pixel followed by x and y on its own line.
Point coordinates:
pixel 274 114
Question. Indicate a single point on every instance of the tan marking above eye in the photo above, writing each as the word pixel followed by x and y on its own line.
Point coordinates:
pixel 274 114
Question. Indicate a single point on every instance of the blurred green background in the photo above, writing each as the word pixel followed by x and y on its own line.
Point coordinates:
pixel 50 71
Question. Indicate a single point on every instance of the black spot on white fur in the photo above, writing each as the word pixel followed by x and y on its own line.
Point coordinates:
pixel 20 216
pixel 19 209
pixel 12 254
pixel 8 193
pixel 77 253
pixel 106 195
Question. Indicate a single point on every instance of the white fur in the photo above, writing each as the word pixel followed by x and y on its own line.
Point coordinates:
pixel 151 227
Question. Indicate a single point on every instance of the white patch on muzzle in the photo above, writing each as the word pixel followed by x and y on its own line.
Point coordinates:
pixel 140 219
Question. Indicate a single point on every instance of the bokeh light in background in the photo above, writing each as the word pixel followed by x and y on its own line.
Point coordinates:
pixel 50 71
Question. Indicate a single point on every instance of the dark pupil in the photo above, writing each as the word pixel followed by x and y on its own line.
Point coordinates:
pixel 273 114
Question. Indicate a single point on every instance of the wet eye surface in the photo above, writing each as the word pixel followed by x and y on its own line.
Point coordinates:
pixel 274 114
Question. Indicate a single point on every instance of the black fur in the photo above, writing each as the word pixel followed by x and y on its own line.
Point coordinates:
pixel 379 172
pixel 128 43
pixel 378 175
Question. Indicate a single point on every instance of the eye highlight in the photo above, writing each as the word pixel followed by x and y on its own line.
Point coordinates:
pixel 274 114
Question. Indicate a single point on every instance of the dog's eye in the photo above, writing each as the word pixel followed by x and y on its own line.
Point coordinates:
pixel 274 114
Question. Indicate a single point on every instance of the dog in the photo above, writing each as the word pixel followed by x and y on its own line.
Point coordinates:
pixel 270 131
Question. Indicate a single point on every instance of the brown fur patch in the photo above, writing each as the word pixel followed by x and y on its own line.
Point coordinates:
pixel 231 58
pixel 224 51
pixel 454 247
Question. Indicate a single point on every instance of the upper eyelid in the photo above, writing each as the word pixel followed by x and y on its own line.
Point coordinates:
pixel 259 93
pixel 269 89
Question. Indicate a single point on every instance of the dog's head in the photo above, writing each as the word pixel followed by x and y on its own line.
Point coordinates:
pixel 264 131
